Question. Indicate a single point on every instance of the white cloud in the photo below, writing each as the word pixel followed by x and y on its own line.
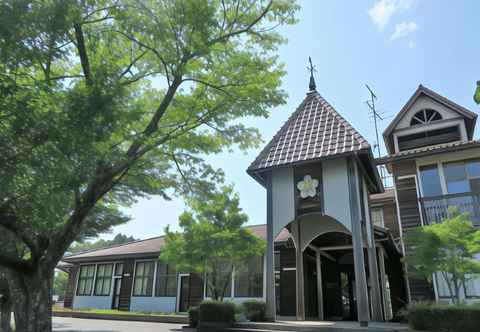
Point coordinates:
pixel 403 29
pixel 383 10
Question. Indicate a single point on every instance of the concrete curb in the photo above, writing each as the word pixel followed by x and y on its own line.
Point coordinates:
pixel 126 317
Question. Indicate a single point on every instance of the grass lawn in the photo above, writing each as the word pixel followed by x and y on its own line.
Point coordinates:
pixel 114 312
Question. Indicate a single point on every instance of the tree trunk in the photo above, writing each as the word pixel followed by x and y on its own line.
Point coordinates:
pixel 32 301
pixel 5 315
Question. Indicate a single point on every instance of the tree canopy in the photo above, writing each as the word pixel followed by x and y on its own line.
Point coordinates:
pixel 105 101
pixel 476 96
pixel 213 240
pixel 447 249
pixel 81 246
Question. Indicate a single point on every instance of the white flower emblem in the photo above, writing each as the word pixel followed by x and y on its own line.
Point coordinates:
pixel 308 187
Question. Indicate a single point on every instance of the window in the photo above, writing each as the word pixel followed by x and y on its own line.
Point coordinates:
pixel 249 281
pixel 377 217
pixel 85 280
pixel 143 283
pixel 224 277
pixel 103 280
pixel 119 269
pixel 166 284
pixel 463 176
pixel 429 137
pixel 425 116
pixel 472 287
pixel 430 181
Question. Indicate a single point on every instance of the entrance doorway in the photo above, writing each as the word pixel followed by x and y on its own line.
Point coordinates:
pixel 183 292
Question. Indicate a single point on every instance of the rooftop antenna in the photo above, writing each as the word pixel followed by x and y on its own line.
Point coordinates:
pixel 311 86
pixel 376 116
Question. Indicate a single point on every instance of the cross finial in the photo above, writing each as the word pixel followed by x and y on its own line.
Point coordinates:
pixel 312 86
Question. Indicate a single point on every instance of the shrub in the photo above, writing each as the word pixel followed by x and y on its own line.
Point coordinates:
pixel 193 317
pixel 444 318
pixel 217 311
pixel 255 310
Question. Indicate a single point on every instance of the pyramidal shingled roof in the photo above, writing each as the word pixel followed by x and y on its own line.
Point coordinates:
pixel 314 131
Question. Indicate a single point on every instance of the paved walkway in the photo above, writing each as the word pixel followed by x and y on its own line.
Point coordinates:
pixel 61 324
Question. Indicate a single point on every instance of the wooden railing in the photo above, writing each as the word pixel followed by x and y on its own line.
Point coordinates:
pixel 435 209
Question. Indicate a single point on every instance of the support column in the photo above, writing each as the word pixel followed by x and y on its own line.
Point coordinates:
pixel 319 285
pixel 357 239
pixel 383 281
pixel 299 271
pixel 270 261
pixel 377 312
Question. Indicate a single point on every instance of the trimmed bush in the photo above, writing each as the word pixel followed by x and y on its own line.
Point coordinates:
pixel 444 318
pixel 193 316
pixel 255 311
pixel 217 312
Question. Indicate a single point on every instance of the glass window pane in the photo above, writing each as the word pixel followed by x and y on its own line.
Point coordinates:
pixel 118 269
pixel 430 181
pixel 475 185
pixel 249 282
pixel 456 178
pixel 473 168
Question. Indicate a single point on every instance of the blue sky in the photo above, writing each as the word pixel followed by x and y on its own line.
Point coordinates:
pixel 393 45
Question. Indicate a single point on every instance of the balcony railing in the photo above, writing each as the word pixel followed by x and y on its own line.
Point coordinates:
pixel 435 209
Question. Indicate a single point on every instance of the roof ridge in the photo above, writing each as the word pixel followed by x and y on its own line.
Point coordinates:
pixel 114 246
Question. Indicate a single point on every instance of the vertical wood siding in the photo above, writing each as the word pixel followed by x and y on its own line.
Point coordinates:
pixel 420 289
pixel 70 291
pixel 126 288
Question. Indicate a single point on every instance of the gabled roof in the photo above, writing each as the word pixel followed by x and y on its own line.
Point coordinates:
pixel 149 247
pixel 314 131
pixel 469 116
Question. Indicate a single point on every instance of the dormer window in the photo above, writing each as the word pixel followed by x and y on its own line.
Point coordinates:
pixel 425 116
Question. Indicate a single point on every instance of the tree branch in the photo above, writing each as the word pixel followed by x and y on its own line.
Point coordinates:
pixel 82 52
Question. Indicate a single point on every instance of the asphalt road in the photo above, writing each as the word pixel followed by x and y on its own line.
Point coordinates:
pixel 61 324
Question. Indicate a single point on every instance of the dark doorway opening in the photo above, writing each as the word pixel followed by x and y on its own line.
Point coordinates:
pixel 184 293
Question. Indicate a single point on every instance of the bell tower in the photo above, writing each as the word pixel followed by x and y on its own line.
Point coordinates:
pixel 318 172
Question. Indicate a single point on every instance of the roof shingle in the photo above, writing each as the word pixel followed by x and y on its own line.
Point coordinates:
pixel 314 131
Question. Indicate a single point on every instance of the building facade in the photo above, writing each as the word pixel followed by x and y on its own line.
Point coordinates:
pixel 334 233
pixel 435 164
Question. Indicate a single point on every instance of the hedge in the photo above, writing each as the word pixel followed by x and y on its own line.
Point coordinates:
pixel 444 318
pixel 255 310
pixel 217 311
pixel 193 316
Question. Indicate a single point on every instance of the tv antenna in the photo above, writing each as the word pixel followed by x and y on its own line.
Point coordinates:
pixel 376 116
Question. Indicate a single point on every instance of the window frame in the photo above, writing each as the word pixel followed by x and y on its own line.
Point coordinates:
pixel 86 278
pixel 249 275
pixel 152 278
pixel 427 120
pixel 169 276
pixel 103 279
pixel 380 210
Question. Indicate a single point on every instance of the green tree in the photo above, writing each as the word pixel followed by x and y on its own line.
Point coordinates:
pixel 81 246
pixel 446 248
pixel 213 240
pixel 105 101
pixel 476 96
pixel 60 282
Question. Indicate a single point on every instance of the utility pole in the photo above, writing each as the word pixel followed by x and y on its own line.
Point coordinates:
pixel 371 106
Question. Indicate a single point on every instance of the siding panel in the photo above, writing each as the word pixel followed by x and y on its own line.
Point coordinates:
pixel 70 291
pixel 126 288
